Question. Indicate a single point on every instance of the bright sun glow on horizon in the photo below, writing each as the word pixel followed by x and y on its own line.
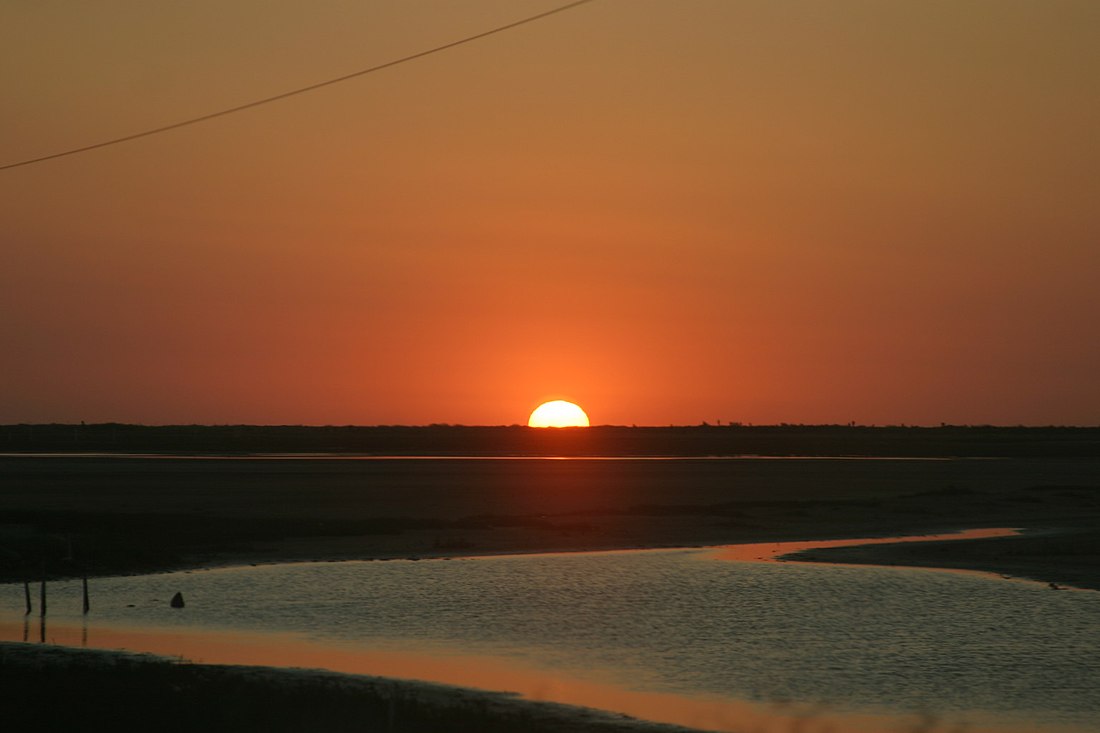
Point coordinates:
pixel 558 414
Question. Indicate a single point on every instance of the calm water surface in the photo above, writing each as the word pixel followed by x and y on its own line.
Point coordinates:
pixel 874 640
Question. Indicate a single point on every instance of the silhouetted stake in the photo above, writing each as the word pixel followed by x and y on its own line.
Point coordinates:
pixel 27 596
pixel 42 599
pixel 87 604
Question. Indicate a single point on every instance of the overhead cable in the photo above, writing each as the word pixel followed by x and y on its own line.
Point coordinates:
pixel 300 90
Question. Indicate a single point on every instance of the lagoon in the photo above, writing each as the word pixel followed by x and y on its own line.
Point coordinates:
pixel 702 636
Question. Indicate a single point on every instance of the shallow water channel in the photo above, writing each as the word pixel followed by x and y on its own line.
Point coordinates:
pixel 678 635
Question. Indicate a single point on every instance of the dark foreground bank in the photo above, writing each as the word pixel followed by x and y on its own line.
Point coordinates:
pixel 129 692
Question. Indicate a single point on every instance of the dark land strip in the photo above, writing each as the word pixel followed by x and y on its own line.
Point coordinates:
pixel 727 439
pixel 137 692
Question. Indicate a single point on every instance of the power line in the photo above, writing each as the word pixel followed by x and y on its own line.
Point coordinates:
pixel 300 90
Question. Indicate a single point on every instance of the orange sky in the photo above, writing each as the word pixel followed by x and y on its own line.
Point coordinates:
pixel 667 212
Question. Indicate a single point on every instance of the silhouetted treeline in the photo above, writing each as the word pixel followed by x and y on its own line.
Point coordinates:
pixel 457 440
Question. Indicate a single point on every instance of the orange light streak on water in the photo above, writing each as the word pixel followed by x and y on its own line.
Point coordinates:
pixel 469 671
pixel 772 551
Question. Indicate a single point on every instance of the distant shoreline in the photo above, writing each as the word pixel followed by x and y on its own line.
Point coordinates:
pixel 447 457
pixel 516 440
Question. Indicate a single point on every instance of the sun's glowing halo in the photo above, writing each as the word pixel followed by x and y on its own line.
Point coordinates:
pixel 558 414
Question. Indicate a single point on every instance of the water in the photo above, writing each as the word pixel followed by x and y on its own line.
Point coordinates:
pixel 876 640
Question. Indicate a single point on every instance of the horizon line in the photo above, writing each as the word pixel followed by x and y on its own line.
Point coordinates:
pixel 438 425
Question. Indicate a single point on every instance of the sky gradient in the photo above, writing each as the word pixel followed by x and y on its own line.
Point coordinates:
pixel 746 210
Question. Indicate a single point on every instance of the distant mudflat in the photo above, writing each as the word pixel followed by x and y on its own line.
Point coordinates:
pixel 68 515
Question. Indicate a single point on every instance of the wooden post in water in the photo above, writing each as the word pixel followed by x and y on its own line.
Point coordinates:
pixel 27 595
pixel 42 595
pixel 87 569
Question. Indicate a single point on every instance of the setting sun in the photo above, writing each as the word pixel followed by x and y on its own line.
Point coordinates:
pixel 558 414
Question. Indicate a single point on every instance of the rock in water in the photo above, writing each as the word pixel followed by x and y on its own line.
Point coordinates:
pixel 177 601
